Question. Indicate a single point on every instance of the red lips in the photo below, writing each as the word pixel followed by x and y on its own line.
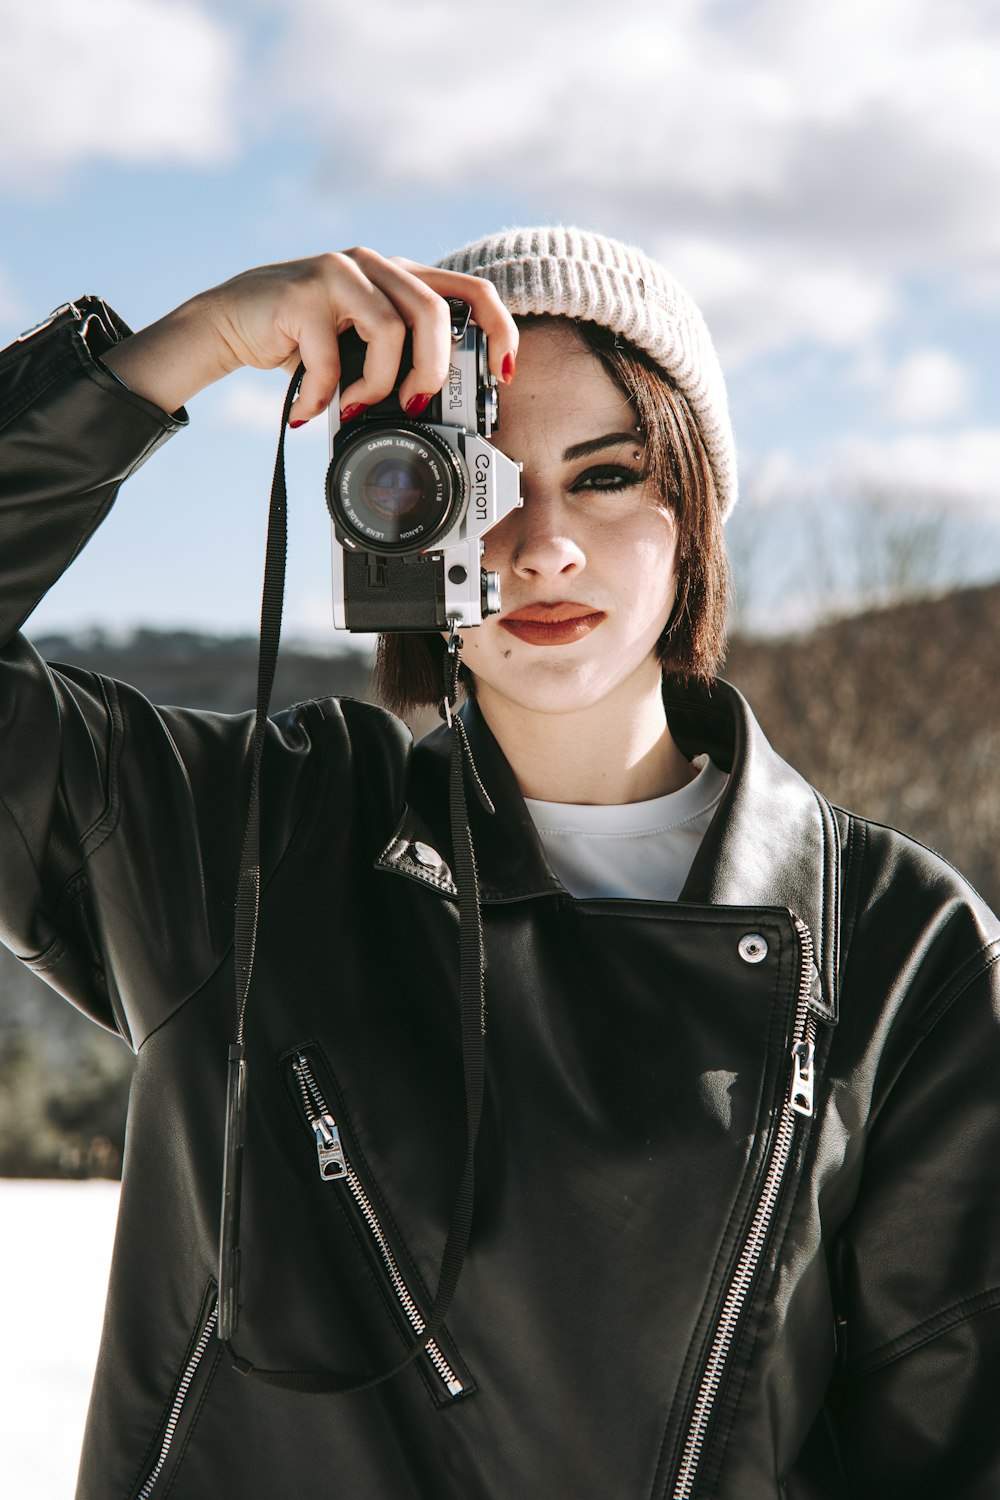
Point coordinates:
pixel 552 624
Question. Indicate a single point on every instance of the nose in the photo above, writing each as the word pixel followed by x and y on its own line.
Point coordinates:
pixel 542 545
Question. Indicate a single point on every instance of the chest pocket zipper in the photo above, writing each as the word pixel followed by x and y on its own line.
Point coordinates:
pixel 335 1167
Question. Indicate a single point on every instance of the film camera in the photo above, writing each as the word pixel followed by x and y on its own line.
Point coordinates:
pixel 411 500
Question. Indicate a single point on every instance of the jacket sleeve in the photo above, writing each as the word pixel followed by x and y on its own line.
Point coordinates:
pixel 120 823
pixel 919 1258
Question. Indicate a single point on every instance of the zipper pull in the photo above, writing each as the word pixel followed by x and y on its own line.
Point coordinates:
pixel 332 1161
pixel 803 1078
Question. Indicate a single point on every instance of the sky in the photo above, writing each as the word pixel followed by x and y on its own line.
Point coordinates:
pixel 824 179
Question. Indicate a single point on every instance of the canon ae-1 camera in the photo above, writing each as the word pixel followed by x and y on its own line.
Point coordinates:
pixel 412 499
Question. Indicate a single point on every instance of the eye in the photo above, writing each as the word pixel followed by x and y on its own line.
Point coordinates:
pixel 609 477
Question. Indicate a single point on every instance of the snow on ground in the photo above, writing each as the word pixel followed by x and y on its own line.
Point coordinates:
pixel 55 1251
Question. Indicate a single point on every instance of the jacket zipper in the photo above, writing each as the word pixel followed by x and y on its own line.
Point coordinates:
pixel 334 1166
pixel 177 1405
pixel 799 1102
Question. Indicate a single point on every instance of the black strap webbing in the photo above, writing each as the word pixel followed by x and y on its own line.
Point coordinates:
pixel 471 980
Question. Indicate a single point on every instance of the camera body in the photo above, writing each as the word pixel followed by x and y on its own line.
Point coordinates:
pixel 410 500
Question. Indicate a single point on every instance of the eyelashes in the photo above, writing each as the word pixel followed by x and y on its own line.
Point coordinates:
pixel 608 478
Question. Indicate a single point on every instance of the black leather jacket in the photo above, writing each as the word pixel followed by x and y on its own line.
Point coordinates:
pixel 737 1227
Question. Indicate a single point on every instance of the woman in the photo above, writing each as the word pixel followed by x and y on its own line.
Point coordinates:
pixel 735 1226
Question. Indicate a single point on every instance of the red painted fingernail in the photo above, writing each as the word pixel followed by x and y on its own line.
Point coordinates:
pixel 416 405
pixel 507 369
pixel 350 413
pixel 300 422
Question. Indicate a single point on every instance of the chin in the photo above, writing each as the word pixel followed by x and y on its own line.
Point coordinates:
pixel 550 687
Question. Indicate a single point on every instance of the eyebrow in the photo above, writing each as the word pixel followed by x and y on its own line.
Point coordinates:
pixel 593 445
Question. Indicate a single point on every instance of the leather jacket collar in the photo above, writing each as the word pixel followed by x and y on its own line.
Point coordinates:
pixel 773 841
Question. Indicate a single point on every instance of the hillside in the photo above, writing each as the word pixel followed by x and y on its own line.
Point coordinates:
pixel 893 713
pixel 896 715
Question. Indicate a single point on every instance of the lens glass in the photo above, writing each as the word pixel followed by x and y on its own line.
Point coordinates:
pixel 393 490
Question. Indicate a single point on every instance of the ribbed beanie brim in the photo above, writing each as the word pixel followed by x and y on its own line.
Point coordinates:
pixel 573 273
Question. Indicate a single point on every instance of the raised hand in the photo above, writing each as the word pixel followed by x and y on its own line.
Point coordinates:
pixel 275 316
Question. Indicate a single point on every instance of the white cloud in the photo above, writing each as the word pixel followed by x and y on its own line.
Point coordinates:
pixel 929 386
pixel 792 162
pixel 964 465
pixel 760 299
pixel 127 80
pixel 248 404
pixel 836 124
pixel 960 468
pixel 252 401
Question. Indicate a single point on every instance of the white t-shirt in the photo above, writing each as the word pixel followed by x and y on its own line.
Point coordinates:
pixel 639 850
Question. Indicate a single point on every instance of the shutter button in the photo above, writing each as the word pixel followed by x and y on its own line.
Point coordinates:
pixel 753 948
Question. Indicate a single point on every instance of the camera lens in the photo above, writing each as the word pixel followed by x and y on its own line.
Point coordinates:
pixel 394 490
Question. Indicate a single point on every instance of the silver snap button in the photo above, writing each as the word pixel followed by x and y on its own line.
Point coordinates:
pixel 426 856
pixel 753 948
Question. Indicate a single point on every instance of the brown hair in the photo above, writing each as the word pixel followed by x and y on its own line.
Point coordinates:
pixel 408 670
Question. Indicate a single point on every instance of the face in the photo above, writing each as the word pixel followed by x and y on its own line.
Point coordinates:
pixel 587 564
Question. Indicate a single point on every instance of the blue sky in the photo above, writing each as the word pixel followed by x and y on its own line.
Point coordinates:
pixel 823 178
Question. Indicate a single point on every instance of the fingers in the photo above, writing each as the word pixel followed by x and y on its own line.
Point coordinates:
pixel 333 293
pixel 412 297
pixel 345 297
pixel 487 310
pixel 398 301
pixel 301 307
pixel 318 352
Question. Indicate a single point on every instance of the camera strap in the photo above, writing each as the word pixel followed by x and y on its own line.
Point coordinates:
pixel 471 976
pixel 248 884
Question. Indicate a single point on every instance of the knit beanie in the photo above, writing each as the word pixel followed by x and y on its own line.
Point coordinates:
pixel 573 273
